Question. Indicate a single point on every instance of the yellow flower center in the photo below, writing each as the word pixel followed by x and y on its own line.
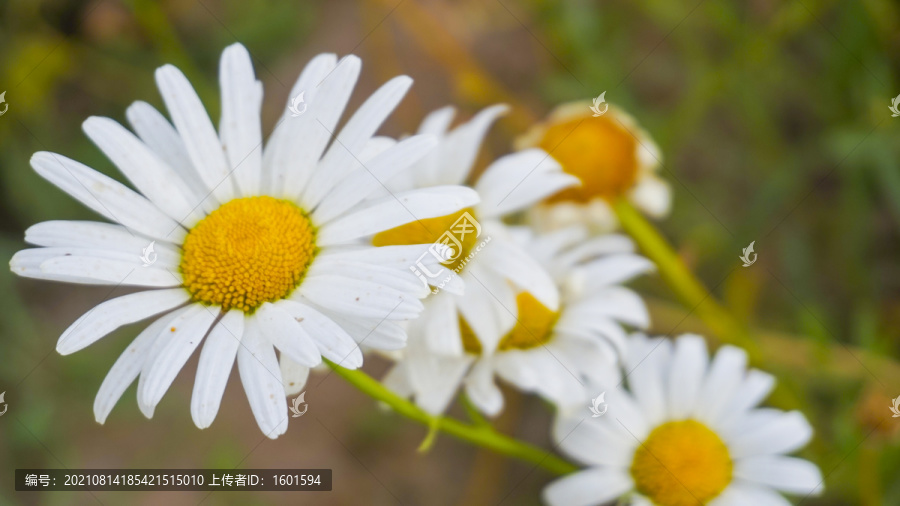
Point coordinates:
pixel 248 251
pixel 533 328
pixel 681 464
pixel 432 230
pixel 598 151
pixel 470 341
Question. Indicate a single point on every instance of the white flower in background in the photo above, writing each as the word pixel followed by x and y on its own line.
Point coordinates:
pixel 611 156
pixel 490 277
pixel 257 248
pixel 687 431
pixel 552 352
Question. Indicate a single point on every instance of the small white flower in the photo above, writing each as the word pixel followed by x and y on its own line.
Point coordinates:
pixel 553 352
pixel 687 431
pixel 257 248
pixel 612 156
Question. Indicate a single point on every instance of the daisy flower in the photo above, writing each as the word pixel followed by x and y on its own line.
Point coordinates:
pixel 244 248
pixel 611 156
pixel 687 431
pixel 552 352
pixel 479 256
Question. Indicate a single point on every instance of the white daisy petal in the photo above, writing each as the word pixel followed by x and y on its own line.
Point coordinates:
pixel 407 258
pixel 280 155
pixel 652 195
pixel 397 380
pixel 620 304
pixel 435 380
pixel 580 437
pixel 460 147
pixel 754 388
pixel 441 327
pixel 176 344
pixel 402 280
pixel 104 271
pixel 354 297
pixel 396 210
pixel 787 433
pixel 149 174
pixel 787 474
pixel 126 369
pixel 162 138
pixel 438 121
pixel 196 130
pixel 96 235
pixel 689 362
pixel 646 371
pixel 726 372
pixel 216 361
pixel 605 245
pixel 740 493
pixel 592 329
pixel 286 333
pixel 293 375
pixel 520 180
pixel 618 269
pixel 316 127
pixel 519 268
pixel 373 333
pixel 481 389
pixel 112 314
pixel 261 377
pixel 239 127
pixel 588 487
pixel 108 197
pixel 344 156
pixel 352 190
pixel 334 342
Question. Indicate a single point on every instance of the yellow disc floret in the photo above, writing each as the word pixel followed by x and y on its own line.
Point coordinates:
pixel 248 251
pixel 681 463
pixel 432 230
pixel 596 150
pixel 534 326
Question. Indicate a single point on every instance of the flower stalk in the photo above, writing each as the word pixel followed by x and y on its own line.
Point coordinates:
pixel 683 282
pixel 480 435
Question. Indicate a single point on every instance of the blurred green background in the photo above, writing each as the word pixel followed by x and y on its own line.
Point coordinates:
pixel 773 121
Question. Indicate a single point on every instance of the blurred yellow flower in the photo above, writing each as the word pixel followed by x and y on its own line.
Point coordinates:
pixel 611 155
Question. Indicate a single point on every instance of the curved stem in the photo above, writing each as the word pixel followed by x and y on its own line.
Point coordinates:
pixel 682 281
pixel 694 295
pixel 481 435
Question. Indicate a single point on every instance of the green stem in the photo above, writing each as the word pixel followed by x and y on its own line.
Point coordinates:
pixel 682 281
pixel 696 297
pixel 480 435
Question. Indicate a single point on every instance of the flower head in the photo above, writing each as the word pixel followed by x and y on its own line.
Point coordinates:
pixel 610 155
pixel 687 431
pixel 254 248
pixel 552 351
